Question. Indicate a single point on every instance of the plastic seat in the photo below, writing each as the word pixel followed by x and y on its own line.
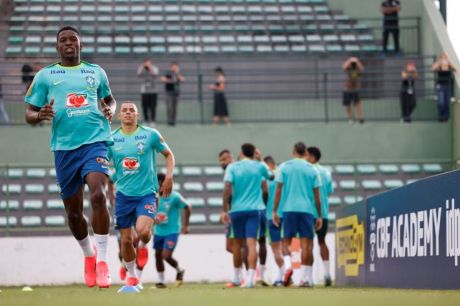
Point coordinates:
pixel 193 186
pixel 214 218
pixel 32 204
pixel 371 184
pixel 411 181
pixel 9 205
pixel 54 220
pixel 389 169
pixel 10 221
pixel 196 202
pixel 215 186
pixel 213 171
pixel 366 169
pixel 11 189
pixel 31 221
pixel 432 168
pixel 52 204
pixel 191 171
pixel 215 202
pixel 410 168
pixel 198 219
pixel 345 169
pixel 15 173
pixel 334 48
pixel 332 215
pixel 335 200
pixel 390 184
pixel 175 171
pixel 348 184
pixel 53 188
pixel 352 199
pixel 34 188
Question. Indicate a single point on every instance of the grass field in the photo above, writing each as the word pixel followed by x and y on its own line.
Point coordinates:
pixel 215 295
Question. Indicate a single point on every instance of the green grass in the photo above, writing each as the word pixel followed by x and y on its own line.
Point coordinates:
pixel 215 295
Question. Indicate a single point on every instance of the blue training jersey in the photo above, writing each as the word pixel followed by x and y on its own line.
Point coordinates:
pixel 77 92
pixel 325 190
pixel 168 212
pixel 134 160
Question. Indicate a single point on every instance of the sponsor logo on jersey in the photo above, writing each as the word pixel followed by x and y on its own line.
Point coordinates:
pixel 130 163
pixel 57 72
pixel 162 217
pixel 86 71
pixel 75 100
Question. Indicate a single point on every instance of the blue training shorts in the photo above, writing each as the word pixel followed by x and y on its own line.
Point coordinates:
pixel 73 166
pixel 128 209
pixel 274 232
pixel 297 224
pixel 245 224
pixel 167 242
pixel 263 223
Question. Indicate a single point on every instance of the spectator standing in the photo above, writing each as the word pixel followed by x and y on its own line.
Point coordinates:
pixel 445 73
pixel 172 80
pixel 408 101
pixel 353 68
pixel 220 100
pixel 3 113
pixel 148 73
pixel 390 10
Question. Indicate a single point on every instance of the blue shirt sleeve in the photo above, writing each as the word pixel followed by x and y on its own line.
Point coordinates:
pixel 158 142
pixel 181 202
pixel 330 185
pixel 264 170
pixel 37 94
pixel 103 91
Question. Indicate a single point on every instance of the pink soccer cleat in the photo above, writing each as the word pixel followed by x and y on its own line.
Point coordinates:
pixel 288 277
pixel 142 257
pixel 103 279
pixel 132 281
pixel 90 270
pixel 122 273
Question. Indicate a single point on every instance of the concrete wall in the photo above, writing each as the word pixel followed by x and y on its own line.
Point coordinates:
pixel 200 144
pixel 59 260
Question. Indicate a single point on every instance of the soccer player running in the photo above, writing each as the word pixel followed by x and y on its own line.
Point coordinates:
pixel 298 189
pixel 167 232
pixel 313 156
pixel 68 94
pixel 245 191
pixel 133 156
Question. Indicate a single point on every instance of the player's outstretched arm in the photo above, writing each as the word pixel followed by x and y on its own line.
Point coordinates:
pixel 35 114
pixel 167 185
pixel 109 107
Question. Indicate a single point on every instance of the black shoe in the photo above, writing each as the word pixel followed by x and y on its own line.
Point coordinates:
pixel 327 282
pixel 180 275
pixel 160 286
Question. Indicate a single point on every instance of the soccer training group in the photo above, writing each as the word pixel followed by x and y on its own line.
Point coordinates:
pixel 259 198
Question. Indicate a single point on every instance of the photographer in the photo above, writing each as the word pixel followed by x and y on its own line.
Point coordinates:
pixel 408 76
pixel 148 73
pixel 172 80
pixel 390 10
pixel 445 74
pixel 353 68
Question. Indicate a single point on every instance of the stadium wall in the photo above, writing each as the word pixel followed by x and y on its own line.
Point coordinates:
pixel 405 238
pixel 59 261
pixel 195 144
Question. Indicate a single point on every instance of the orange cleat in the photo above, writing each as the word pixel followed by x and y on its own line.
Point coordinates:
pixel 288 277
pixel 132 281
pixel 122 273
pixel 103 279
pixel 90 270
pixel 142 257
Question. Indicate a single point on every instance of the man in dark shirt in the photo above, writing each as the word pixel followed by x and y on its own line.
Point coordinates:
pixel 390 9
pixel 172 80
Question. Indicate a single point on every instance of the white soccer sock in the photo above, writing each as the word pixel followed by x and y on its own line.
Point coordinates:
pixel 303 273
pixel 327 272
pixel 287 261
pixel 250 280
pixel 86 246
pixel 262 271
pixel 141 244
pixel 131 267
pixel 139 273
pixel 280 276
pixel 101 246
pixel 161 277
pixel 309 274
pixel 237 275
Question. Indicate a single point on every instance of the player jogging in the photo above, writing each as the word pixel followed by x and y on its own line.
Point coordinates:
pixel 167 232
pixel 68 93
pixel 246 189
pixel 297 188
pixel 313 156
pixel 133 156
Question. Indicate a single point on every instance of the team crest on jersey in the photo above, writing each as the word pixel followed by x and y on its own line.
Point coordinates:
pixel 91 81
pixel 75 100
pixel 130 164
pixel 140 147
